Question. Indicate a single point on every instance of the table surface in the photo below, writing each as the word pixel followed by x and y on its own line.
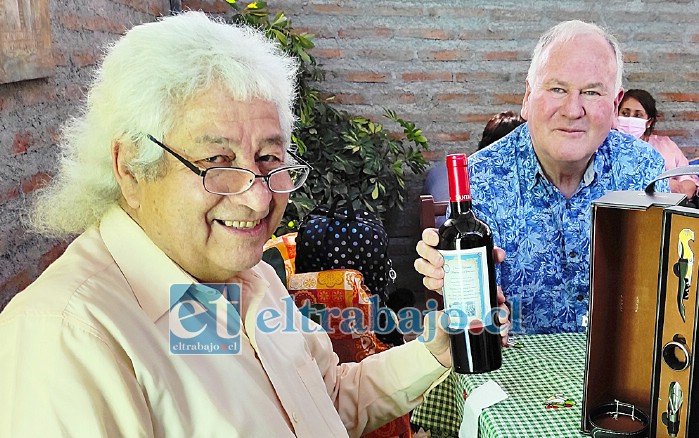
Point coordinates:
pixel 543 366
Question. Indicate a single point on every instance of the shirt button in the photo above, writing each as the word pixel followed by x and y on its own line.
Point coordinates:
pixel 573 254
pixel 581 297
pixel 295 417
pixel 567 205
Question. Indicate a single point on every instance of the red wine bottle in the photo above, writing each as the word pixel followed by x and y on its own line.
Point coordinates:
pixel 470 291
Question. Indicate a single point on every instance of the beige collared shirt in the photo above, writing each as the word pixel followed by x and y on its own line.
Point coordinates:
pixel 84 351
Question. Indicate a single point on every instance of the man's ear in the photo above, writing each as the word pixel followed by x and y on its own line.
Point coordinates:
pixel 617 101
pixel 122 154
pixel 525 101
pixel 615 115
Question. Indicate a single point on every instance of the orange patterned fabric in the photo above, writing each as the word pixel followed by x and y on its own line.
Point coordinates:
pixel 339 289
pixel 343 289
pixel 286 245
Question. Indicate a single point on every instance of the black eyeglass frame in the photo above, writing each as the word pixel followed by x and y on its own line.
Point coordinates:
pixel 202 172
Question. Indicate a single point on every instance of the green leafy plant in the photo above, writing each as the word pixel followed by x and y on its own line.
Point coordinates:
pixel 352 157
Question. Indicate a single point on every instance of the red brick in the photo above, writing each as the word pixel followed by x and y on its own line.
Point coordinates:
pixel 451 136
pixel 7 103
pixel 349 99
pixel 331 9
pixel 515 99
pixel 407 98
pixel 93 23
pixel 688 116
pixel 82 58
pixel 73 92
pixel 36 93
pixel 680 97
pixel 367 77
pixel 155 8
pixel 631 57
pixel 17 282
pixel 456 97
pixel 59 57
pixel 35 181
pixel 327 53
pixel 393 135
pixel 433 155
pixel 70 22
pixel 23 140
pixel 672 132
pixel 440 76
pixel 54 133
pixel 427 34
pixel 102 24
pixel 445 55
pixel 475 118
pixel 51 255
pixel 9 195
pixel 671 57
pixel 503 55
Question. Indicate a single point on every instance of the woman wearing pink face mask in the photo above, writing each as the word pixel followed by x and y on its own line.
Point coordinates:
pixel 637 116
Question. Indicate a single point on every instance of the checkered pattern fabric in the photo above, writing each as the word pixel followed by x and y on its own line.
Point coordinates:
pixel 545 365
pixel 443 407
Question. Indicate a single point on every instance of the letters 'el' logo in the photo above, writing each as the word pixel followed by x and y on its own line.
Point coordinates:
pixel 683 269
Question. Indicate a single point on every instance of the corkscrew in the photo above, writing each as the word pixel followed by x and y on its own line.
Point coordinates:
pixel 683 269
pixel 671 418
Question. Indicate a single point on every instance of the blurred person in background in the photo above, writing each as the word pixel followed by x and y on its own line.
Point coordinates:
pixel 499 126
pixel 638 116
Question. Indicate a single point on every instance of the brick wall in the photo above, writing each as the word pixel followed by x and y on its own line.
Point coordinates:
pixel 447 65
pixel 31 113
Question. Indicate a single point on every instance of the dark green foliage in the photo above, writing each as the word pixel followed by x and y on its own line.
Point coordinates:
pixel 352 157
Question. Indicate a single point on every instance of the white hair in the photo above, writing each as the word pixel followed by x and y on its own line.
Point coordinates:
pixel 144 79
pixel 566 31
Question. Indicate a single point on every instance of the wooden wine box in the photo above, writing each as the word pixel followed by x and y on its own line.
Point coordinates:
pixel 642 319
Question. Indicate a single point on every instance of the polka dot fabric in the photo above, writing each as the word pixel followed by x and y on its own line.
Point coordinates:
pixel 344 239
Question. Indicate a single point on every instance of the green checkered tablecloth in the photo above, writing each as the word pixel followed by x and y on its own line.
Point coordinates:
pixel 544 366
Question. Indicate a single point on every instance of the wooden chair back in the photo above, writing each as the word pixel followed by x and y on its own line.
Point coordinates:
pixel 430 210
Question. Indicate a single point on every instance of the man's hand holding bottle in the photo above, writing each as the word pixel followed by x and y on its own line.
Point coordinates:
pixel 430 265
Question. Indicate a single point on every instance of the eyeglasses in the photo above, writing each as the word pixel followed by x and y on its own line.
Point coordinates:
pixel 236 180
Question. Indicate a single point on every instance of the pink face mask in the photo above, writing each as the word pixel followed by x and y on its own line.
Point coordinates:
pixel 632 125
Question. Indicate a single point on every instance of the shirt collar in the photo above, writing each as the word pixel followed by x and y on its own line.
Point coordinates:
pixel 148 270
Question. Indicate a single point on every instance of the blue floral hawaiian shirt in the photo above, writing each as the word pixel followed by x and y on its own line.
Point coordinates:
pixel 545 275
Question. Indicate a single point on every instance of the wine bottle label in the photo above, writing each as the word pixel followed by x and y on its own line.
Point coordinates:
pixel 466 293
